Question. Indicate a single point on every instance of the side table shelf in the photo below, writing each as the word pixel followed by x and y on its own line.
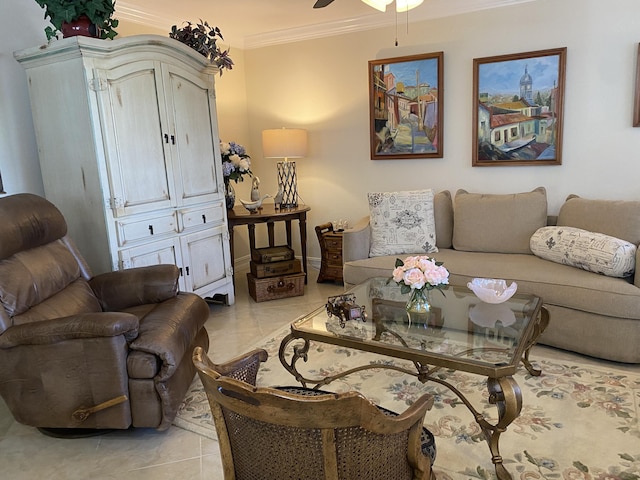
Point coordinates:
pixel 331 251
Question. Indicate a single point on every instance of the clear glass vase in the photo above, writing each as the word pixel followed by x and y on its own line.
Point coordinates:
pixel 418 306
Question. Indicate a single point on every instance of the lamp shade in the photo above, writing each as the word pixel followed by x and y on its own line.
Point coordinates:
pixel 284 143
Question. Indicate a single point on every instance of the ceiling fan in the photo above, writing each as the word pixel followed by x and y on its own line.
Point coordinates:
pixel 401 5
pixel 322 3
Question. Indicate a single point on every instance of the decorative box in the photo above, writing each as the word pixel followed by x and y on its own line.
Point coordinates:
pixel 272 254
pixel 273 288
pixel 274 269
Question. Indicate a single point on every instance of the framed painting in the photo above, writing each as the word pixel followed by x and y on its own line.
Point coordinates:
pixel 518 104
pixel 405 107
pixel 636 105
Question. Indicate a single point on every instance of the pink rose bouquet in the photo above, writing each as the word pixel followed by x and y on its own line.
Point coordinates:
pixel 420 272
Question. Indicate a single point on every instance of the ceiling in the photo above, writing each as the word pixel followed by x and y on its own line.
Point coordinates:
pixel 256 23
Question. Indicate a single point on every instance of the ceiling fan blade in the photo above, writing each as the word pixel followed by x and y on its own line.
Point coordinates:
pixel 322 3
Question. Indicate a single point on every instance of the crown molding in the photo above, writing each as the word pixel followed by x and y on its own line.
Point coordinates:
pixel 126 11
pixel 436 9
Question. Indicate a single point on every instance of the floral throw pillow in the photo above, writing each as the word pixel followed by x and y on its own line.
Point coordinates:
pixel 402 222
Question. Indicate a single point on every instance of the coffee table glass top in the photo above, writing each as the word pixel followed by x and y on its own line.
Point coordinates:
pixel 462 332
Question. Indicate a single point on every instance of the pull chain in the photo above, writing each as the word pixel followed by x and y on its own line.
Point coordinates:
pixel 396 13
pixel 407 21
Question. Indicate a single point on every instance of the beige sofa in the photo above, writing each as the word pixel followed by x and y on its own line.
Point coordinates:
pixel 489 235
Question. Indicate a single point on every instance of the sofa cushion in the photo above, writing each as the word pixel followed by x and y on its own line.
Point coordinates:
pixel 595 252
pixel 555 283
pixel 443 215
pixel 402 222
pixel 619 219
pixel 498 223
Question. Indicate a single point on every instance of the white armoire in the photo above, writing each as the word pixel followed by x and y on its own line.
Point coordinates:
pixel 128 143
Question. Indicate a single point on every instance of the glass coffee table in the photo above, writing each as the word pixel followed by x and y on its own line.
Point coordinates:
pixel 462 333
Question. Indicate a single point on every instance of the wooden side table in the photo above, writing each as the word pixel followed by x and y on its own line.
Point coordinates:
pixel 331 251
pixel 269 215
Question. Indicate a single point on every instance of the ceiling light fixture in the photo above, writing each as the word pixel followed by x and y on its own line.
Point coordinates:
pixel 401 5
pixel 378 4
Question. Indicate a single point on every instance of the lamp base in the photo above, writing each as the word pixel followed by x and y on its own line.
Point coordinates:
pixel 287 178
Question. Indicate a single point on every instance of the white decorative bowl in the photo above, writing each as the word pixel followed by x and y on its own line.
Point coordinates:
pixel 487 315
pixel 492 290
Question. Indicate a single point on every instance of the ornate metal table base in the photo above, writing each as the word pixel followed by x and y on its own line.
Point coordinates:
pixel 504 392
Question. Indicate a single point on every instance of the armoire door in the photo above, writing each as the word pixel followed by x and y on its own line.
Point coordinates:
pixel 195 152
pixel 155 253
pixel 136 137
pixel 206 259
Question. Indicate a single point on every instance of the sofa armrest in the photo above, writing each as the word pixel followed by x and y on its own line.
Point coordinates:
pixel 636 275
pixel 135 286
pixel 85 325
pixel 356 241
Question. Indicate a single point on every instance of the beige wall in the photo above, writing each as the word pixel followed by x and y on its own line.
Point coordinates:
pixel 322 85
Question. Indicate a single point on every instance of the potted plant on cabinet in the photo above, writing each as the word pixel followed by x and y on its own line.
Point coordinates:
pixel 203 39
pixel 92 18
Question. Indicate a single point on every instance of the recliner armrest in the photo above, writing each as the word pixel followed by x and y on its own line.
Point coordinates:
pixel 135 286
pixel 168 331
pixel 356 241
pixel 84 325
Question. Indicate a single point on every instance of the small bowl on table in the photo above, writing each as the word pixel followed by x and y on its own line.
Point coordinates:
pixel 492 290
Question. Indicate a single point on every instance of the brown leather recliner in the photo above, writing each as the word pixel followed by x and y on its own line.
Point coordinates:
pixel 76 351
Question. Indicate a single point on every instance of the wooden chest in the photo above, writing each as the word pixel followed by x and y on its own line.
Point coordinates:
pixel 272 254
pixel 274 269
pixel 273 288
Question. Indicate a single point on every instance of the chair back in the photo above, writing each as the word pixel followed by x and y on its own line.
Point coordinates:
pixel 269 433
pixel 42 275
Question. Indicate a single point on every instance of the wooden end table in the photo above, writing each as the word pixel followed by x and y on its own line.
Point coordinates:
pixel 269 214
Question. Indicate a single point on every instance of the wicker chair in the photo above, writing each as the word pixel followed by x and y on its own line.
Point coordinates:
pixel 298 433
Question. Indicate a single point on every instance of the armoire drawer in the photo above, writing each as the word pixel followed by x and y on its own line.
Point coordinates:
pixel 148 228
pixel 204 216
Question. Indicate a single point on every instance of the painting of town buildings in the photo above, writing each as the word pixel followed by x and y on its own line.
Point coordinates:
pixel 519 102
pixel 406 107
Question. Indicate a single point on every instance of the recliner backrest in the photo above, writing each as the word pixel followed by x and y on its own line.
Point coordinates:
pixel 41 277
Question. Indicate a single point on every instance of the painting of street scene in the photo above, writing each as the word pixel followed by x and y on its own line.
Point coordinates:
pixel 519 101
pixel 406 107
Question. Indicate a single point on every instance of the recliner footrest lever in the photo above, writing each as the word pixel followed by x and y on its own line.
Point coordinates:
pixel 81 414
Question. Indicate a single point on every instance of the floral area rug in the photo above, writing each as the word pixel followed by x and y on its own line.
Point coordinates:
pixel 577 421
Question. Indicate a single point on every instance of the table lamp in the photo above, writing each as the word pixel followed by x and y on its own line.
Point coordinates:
pixel 286 143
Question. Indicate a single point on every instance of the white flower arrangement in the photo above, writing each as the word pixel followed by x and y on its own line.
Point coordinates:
pixel 235 162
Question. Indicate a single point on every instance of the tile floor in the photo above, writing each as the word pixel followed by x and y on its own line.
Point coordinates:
pixel 176 454
pixel 140 454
